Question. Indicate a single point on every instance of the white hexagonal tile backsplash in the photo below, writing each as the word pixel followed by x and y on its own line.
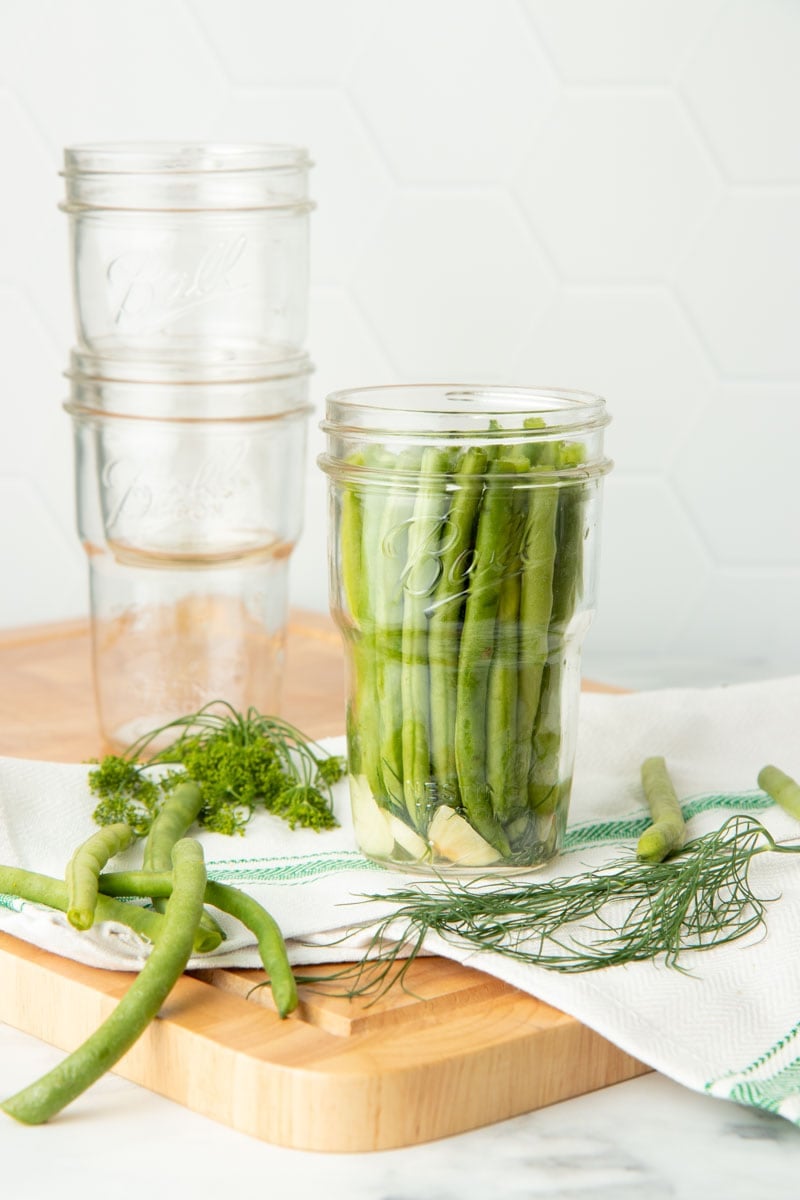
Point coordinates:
pixel 742 499
pixel 451 283
pixel 453 91
pixel 620 41
pixel 349 182
pixel 599 195
pixel 634 346
pixel 740 278
pixel 614 184
pixel 741 83
pixel 305 43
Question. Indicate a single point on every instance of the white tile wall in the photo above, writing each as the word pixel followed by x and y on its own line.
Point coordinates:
pixel 594 193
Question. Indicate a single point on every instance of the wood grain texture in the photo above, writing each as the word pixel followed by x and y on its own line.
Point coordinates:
pixel 455 1050
pixel 356 1082
pixel 47 707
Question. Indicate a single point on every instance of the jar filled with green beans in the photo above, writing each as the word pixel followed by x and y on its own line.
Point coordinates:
pixel 463 537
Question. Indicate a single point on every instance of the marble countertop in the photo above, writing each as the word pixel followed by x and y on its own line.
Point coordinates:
pixel 642 1140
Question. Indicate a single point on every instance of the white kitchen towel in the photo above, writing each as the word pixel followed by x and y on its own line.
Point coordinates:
pixel 730 1026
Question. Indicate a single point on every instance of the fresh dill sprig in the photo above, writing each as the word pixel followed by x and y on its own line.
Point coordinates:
pixel 240 761
pixel 626 911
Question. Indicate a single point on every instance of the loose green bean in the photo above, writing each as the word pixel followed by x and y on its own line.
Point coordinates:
pixel 164 966
pixel 176 815
pixel 782 788
pixel 668 831
pixel 270 941
pixel 172 822
pixel 43 889
pixel 84 867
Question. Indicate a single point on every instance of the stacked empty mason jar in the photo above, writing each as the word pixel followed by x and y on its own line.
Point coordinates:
pixel 189 399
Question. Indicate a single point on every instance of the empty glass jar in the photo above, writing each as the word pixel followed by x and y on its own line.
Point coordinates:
pixel 464 528
pixel 190 501
pixel 185 250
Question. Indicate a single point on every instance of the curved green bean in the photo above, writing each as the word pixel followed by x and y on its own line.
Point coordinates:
pixel 85 866
pixel 271 945
pixel 270 941
pixel 172 822
pixel 178 812
pixel 668 831
pixel 165 964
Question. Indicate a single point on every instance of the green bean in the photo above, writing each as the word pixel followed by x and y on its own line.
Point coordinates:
pixel 668 831
pixel 782 788
pixel 536 606
pixel 350 548
pixel 350 533
pixel 84 867
pixel 545 788
pixel 175 817
pixel 271 945
pixel 477 649
pixel 544 784
pixel 502 749
pixel 419 580
pixel 164 966
pixel 445 616
pixel 172 822
pixel 364 722
pixel 388 567
pixel 568 572
pixel 43 889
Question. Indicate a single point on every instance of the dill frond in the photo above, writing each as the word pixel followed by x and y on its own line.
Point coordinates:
pixel 626 911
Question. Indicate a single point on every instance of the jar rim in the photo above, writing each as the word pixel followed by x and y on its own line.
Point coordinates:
pixel 461 408
pixel 237 365
pixel 181 158
pixel 186 177
pixel 397 416
pixel 91 413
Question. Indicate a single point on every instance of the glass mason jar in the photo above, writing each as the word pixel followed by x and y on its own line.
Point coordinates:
pixel 190 501
pixel 177 249
pixel 464 529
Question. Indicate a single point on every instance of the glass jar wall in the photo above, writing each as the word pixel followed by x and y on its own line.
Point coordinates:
pixel 463 552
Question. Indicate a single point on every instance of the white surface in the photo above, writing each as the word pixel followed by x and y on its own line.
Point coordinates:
pixel 641 1140
pixel 602 195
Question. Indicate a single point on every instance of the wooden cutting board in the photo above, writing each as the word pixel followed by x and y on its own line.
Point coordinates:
pixel 457 1049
